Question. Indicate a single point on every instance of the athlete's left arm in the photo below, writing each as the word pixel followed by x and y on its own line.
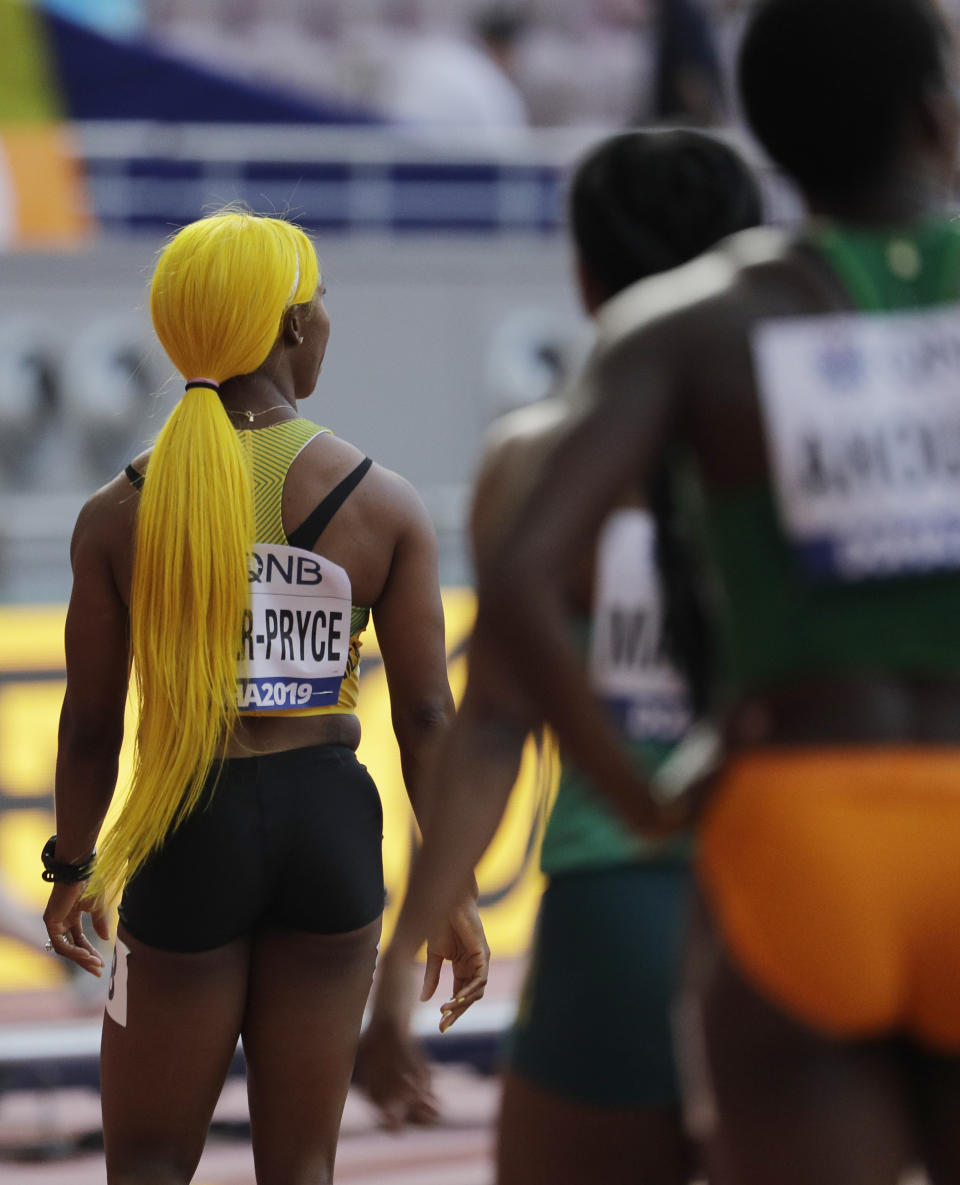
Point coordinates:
pixel 410 630
pixel 91 721
pixel 408 617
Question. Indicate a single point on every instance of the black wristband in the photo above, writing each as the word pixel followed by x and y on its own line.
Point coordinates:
pixel 57 873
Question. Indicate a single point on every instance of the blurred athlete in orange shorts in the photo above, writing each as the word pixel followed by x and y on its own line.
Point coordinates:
pixel 799 391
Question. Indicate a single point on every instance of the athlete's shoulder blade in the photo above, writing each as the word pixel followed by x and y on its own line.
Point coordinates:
pixel 684 289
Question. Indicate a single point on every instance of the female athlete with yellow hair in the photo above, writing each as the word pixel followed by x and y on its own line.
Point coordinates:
pixel 236 566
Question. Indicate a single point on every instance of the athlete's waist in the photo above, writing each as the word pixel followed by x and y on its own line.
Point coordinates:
pixel 274 733
pixel 297 713
pixel 866 708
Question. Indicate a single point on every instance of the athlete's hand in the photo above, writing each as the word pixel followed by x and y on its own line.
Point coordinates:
pixel 63 918
pixel 391 1067
pixel 684 783
pixel 464 943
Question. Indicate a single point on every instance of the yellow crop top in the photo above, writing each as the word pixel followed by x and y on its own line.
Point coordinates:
pixel 271 451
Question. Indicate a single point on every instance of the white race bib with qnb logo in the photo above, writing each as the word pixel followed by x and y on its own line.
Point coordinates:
pixel 629 671
pixel 862 415
pixel 296 634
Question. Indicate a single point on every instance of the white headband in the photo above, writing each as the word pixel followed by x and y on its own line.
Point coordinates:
pixel 296 283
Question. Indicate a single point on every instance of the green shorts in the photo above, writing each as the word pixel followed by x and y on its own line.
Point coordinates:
pixel 594 1023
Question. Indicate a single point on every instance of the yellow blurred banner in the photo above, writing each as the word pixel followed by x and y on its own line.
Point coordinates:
pixel 43 193
pixel 31 691
pixel 43 200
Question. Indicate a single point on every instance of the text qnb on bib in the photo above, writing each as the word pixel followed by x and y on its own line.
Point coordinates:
pixel 862 420
pixel 296 634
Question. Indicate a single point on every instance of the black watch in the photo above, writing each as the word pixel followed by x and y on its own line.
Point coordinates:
pixel 55 872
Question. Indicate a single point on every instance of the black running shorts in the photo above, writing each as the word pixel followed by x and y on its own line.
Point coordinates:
pixel 288 840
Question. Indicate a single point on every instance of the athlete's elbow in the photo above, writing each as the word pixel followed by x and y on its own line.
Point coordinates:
pixel 419 720
pixel 89 735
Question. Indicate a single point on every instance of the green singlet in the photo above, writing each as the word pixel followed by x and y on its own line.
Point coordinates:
pixel 584 833
pixel 775 623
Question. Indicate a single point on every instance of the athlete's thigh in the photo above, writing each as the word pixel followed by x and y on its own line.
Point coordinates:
pixel 544 1139
pixel 593 1023
pixel 789 1104
pixel 300 1033
pixel 169 1034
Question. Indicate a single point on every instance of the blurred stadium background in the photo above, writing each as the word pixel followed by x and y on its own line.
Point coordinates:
pixel 428 153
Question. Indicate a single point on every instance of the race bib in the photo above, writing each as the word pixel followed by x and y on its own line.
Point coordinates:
pixel 116 1004
pixel 862 417
pixel 629 670
pixel 296 633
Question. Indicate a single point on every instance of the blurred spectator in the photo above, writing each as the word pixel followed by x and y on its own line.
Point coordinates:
pixel 730 17
pixel 688 86
pixel 589 63
pixel 440 79
pixel 578 64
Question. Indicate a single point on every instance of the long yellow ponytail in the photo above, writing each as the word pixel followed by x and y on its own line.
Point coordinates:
pixel 219 293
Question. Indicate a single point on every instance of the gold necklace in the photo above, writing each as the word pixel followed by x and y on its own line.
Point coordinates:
pixel 252 415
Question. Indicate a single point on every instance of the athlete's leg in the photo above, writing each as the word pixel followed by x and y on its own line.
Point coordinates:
pixel 300 1033
pixel 790 1105
pixel 161 1072
pixel 591 1092
pixel 548 1140
pixel 936 1083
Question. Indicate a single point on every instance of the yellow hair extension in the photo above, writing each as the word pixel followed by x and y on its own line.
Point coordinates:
pixel 218 296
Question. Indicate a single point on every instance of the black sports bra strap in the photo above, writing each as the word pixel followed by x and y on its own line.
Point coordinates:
pixel 317 520
pixel 134 476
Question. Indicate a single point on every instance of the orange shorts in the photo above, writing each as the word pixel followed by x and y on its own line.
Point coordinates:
pixel 834 875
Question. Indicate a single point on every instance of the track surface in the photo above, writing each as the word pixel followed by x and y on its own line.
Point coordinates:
pixel 51 1137
pixel 54 1126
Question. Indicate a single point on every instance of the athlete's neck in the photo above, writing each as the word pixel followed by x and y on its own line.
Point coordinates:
pixel 899 201
pixel 257 400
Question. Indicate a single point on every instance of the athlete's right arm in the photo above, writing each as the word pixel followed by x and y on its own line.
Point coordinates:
pixel 91 721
